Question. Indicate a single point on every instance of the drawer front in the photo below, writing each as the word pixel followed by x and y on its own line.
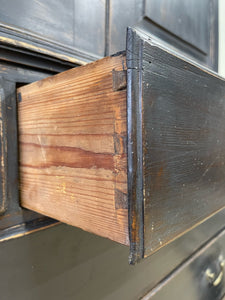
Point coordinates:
pixel 137 160
pixel 176 144
pixel 201 277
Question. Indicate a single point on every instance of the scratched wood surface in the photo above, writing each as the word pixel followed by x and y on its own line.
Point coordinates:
pixel 72 139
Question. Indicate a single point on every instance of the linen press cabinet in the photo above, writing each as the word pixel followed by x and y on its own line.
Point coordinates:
pixel 129 147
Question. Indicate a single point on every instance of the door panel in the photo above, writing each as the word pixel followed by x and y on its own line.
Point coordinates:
pixel 76 33
pixel 187 20
pixel 189 27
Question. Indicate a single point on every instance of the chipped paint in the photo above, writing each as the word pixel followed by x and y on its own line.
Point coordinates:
pixel 41 50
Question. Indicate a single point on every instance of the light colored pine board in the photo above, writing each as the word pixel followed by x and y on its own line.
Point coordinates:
pixel 72 140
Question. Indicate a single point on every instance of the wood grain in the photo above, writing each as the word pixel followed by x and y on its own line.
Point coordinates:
pixel 176 145
pixel 72 138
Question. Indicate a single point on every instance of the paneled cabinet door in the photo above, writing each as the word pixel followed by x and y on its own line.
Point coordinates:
pixel 130 147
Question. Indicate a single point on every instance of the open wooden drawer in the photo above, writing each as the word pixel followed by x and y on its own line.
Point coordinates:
pixel 131 147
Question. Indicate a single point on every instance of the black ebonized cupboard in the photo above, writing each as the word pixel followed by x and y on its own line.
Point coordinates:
pixel 42 38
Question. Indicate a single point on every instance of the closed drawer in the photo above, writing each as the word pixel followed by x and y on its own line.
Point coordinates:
pixel 130 147
pixel 201 277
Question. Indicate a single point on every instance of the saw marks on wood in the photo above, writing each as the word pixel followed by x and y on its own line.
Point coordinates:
pixel 73 157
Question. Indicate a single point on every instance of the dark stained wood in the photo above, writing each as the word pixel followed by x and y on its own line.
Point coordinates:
pixel 184 19
pixel 193 279
pixel 3 149
pixel 191 27
pixel 176 145
pixel 72 137
pixel 70 31
pixel 75 33
pixel 14 220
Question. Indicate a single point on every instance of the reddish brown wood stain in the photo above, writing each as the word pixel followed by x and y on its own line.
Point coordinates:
pixel 73 161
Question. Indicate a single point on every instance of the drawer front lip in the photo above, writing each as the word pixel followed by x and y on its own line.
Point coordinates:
pixel 135 159
pixel 3 151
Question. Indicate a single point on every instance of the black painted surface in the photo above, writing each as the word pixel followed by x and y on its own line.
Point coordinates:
pixel 190 27
pixel 176 146
pixel 15 221
pixel 135 146
pixel 75 28
pixel 201 277
pixel 87 30
pixel 121 15
pixel 64 262
pixel 44 18
pixel 67 263
pixel 188 20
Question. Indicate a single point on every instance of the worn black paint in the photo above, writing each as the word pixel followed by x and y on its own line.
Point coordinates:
pixel 3 149
pixel 88 30
pixel 190 27
pixel 190 281
pixel 32 59
pixel 38 257
pixel 135 150
pixel 176 144
pixel 15 220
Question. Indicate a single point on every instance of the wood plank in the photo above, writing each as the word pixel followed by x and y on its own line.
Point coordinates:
pixel 72 139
